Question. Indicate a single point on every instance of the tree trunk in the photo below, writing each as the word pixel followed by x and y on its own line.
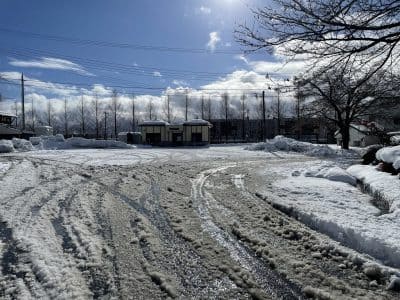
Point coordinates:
pixel 345 132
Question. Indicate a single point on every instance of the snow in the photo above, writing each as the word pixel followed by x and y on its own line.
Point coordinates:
pixel 390 155
pixel 154 123
pixel 58 142
pixel 22 145
pixel 281 143
pixel 329 172
pixel 197 122
pixel 382 185
pixel 6 146
pixel 337 208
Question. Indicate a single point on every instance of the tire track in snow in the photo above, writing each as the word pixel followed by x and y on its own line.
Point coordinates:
pixel 269 280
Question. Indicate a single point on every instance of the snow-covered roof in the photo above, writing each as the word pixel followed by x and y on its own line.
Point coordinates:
pixel 154 123
pixel 197 122
pixel 2 113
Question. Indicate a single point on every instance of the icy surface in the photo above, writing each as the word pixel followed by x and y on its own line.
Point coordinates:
pixel 390 155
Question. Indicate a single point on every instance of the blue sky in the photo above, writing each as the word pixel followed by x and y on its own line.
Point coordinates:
pixel 56 42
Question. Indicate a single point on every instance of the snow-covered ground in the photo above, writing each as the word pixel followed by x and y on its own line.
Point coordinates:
pixel 181 223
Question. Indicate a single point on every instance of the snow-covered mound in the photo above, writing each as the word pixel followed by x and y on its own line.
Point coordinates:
pixel 390 155
pixel 328 172
pixel 58 142
pixel 6 146
pixel 384 186
pixel 281 143
pixel 22 145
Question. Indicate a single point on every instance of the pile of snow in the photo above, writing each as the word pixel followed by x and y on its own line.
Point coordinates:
pixel 383 186
pixel 6 146
pixel 390 155
pixel 341 211
pixel 58 142
pixel 281 143
pixel 22 145
pixel 332 173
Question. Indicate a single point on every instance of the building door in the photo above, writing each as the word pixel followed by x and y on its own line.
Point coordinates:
pixel 129 138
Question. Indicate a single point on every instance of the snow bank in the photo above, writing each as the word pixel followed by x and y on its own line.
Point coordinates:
pixel 281 143
pixel 328 172
pixel 390 155
pixel 6 146
pixel 22 145
pixel 342 212
pixel 383 186
pixel 58 142
pixel 91 143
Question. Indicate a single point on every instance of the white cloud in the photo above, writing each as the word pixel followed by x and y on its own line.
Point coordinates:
pixel 179 82
pixel 204 10
pixel 214 40
pixel 50 63
pixel 157 74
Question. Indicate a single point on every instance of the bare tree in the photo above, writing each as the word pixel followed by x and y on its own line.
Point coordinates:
pixel 334 29
pixel 82 116
pixel 167 109
pixel 66 117
pixel 208 109
pixel 347 93
pixel 187 103
pixel 150 109
pixel 133 106
pixel 115 106
pixel 225 112
pixel 243 109
pixel 33 116
pixel 49 112
pixel 96 104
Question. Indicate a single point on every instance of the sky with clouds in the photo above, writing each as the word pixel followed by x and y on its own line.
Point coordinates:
pixel 67 49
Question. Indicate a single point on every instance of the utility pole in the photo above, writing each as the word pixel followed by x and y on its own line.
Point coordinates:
pixel 23 100
pixel 263 113
pixel 105 125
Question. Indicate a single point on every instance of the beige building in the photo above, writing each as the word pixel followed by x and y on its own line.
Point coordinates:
pixel 190 133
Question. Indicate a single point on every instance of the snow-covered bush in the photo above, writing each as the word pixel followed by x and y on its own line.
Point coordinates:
pixel 6 146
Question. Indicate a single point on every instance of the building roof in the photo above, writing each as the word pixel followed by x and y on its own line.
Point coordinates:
pixel 154 123
pixel 2 113
pixel 200 122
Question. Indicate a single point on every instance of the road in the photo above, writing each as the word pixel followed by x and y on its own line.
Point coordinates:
pixel 161 223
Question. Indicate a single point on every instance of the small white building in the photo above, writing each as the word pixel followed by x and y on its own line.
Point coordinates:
pixel 189 133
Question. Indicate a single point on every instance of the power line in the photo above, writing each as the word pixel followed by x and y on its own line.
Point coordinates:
pixel 87 42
